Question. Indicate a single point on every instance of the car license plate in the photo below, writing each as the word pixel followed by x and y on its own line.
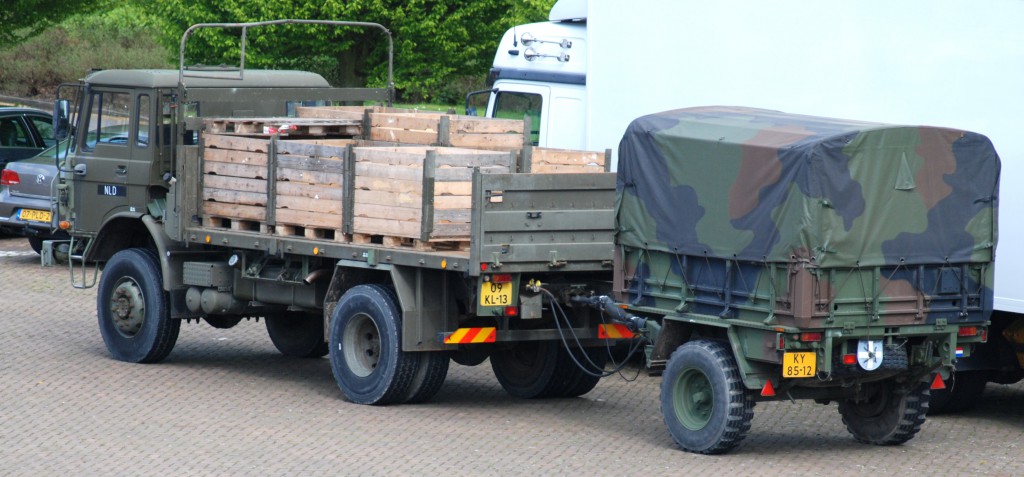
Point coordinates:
pixel 33 215
pixel 495 294
pixel 799 365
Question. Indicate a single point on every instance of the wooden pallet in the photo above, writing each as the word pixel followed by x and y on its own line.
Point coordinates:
pixel 318 233
pixel 412 244
pixel 239 225
pixel 266 127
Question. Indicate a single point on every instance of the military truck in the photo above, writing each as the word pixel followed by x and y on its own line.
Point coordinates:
pixel 759 256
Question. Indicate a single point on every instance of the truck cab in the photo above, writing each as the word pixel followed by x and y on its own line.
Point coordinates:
pixel 540 71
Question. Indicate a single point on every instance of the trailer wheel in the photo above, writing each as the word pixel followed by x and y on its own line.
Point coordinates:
pixel 430 375
pixel 297 334
pixel 366 347
pixel 222 322
pixel 885 416
pixel 703 400
pixel 962 393
pixel 527 369
pixel 132 308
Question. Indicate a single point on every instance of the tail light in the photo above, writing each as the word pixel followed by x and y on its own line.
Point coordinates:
pixel 966 331
pixel 9 178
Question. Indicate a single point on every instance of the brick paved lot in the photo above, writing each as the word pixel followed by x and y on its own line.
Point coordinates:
pixel 226 403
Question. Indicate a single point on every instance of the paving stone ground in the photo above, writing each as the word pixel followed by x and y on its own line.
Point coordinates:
pixel 225 403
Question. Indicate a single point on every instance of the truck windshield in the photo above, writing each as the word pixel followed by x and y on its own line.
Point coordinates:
pixel 515 105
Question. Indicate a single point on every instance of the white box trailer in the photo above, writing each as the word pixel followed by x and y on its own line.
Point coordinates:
pixel 595 66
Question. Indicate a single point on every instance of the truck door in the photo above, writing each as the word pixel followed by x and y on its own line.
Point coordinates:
pixel 516 104
pixel 110 177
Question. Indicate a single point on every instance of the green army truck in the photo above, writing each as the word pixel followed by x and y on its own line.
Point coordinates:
pixel 760 256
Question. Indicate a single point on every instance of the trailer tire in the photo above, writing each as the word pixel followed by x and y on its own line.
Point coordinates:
pixel 366 347
pixel 297 334
pixel 962 393
pixel 527 369
pixel 703 400
pixel 887 417
pixel 132 308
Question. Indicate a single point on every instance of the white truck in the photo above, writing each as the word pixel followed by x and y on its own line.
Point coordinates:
pixel 584 74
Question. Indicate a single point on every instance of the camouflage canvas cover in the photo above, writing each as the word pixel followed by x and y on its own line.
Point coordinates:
pixel 761 185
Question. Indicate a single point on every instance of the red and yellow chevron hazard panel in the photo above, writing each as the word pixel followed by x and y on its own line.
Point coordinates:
pixel 613 332
pixel 472 336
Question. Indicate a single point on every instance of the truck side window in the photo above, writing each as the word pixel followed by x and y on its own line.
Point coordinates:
pixel 142 121
pixel 107 119
pixel 514 105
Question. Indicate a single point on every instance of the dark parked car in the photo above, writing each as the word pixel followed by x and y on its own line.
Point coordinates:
pixel 24 133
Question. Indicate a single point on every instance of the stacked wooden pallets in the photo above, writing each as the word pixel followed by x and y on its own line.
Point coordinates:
pixel 380 175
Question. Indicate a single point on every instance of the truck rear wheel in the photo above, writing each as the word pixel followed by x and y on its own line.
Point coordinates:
pixel 366 347
pixel 132 308
pixel 430 375
pixel 962 393
pixel 703 400
pixel 527 369
pixel 297 334
pixel 885 416
pixel 578 382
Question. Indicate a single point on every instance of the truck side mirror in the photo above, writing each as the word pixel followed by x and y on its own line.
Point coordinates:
pixel 61 123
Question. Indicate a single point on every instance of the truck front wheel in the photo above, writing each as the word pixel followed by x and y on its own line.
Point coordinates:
pixel 703 400
pixel 366 347
pixel 883 415
pixel 132 309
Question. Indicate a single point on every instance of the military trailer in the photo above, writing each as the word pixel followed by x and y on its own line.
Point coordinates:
pixel 759 255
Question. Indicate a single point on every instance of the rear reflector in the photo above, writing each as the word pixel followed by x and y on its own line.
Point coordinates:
pixel 472 336
pixel 967 331
pixel 9 178
pixel 809 336
pixel 511 311
pixel 613 331
pixel 938 383
pixel 768 390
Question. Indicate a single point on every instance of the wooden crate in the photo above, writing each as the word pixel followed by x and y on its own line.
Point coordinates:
pixel 545 160
pixel 418 192
pixel 406 126
pixel 300 181
pixel 284 127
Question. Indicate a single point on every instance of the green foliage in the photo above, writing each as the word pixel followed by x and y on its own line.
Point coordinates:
pixel 442 48
pixel 23 19
pixel 118 37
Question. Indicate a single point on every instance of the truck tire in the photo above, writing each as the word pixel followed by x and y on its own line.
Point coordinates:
pixel 222 322
pixel 430 375
pixel 366 347
pixel 297 334
pixel 962 393
pixel 703 400
pixel 132 308
pixel 578 382
pixel 885 417
pixel 527 369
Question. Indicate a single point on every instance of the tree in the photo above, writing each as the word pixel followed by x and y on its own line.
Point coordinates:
pixel 23 19
pixel 437 43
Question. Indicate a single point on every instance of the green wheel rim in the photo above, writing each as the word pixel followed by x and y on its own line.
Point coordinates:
pixel 693 399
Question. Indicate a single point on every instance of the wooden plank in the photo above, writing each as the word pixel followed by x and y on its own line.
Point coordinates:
pixel 235 170
pixel 503 142
pixel 409 214
pixel 545 155
pixel 445 231
pixel 401 135
pixel 375 226
pixel 309 205
pixel 475 125
pixel 308 219
pixel 340 143
pixel 310 177
pixel 250 212
pixel 232 156
pixel 235 142
pixel 448 156
pixel 442 174
pixel 330 112
pixel 426 122
pixel 313 149
pixel 310 163
pixel 309 191
pixel 235 183
pixel 389 185
pixel 234 196
pixel 394 199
